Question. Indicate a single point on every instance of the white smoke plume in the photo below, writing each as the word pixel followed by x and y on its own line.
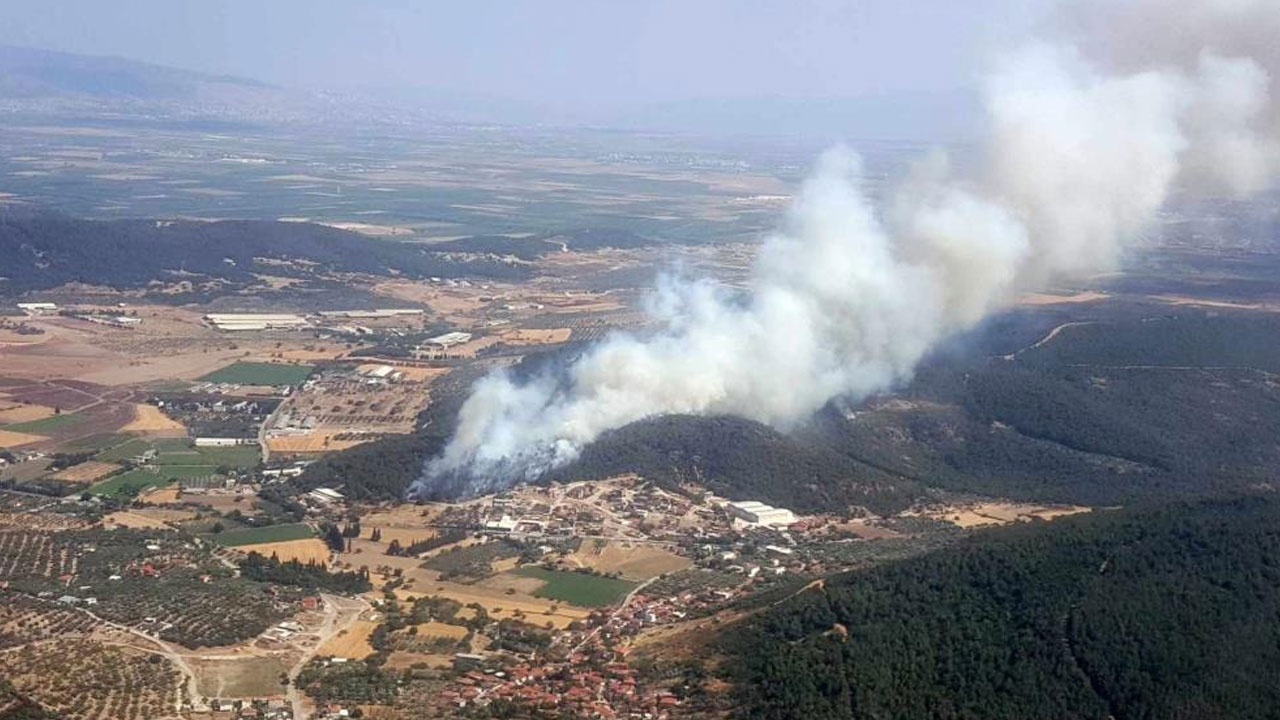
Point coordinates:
pixel 1086 141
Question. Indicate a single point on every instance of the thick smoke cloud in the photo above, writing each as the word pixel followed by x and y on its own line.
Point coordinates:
pixel 1087 138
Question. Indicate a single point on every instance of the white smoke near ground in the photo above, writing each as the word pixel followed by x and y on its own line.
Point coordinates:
pixel 1082 152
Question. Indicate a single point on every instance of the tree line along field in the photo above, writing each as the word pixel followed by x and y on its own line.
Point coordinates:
pixel 260 373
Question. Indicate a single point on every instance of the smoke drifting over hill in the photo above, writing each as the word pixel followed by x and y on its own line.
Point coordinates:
pixel 1087 136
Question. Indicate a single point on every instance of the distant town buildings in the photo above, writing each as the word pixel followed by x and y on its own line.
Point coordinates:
pixel 448 340
pixel 326 496
pixel 38 308
pixel 255 321
pixel 757 513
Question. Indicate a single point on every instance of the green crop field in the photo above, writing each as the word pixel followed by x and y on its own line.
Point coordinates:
pixel 241 456
pixel 98 442
pixel 36 427
pixel 253 373
pixel 179 451
pixel 577 588
pixel 256 536
pixel 183 472
pixel 129 483
pixel 124 451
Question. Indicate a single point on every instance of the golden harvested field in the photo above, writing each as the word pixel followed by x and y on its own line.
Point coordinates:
pixel 17 413
pixel 639 562
pixel 421 374
pixel 501 606
pixel 524 336
pixel 998 513
pixel 406 536
pixel 149 419
pixel 85 472
pixel 164 515
pixel 304 551
pixel 320 441
pixel 351 643
pixel 439 629
pixel 13 439
pixel 168 495
pixel 404 660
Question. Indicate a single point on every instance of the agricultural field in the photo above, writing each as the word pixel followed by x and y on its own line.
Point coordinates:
pixel 26 620
pixel 264 535
pixel 180 451
pixel 86 472
pixel 129 484
pixel 44 425
pixel 81 680
pixel 157 582
pixel 260 373
pixel 577 588
pixel 241 677
pixel 351 643
pixel 633 562
pixel 149 419
pixel 10 439
pixel 304 551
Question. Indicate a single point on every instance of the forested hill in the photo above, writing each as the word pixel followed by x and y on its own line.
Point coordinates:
pixel 1168 613
pixel 740 459
pixel 40 250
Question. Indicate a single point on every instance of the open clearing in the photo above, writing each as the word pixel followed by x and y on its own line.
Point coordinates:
pixel 578 588
pixel 443 630
pixel 133 521
pixel 259 373
pixel 259 536
pixel 304 551
pixel 351 643
pixel 998 513
pixel 242 677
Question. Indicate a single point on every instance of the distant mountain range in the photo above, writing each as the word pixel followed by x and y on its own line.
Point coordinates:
pixel 59 84
pixel 27 73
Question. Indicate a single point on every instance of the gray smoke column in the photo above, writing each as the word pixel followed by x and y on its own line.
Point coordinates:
pixel 1082 151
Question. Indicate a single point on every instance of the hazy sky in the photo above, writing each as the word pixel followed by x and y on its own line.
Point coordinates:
pixel 572 52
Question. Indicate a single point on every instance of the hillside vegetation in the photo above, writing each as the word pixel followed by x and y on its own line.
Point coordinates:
pixel 739 459
pixel 1167 613
pixel 40 250
pixel 1104 414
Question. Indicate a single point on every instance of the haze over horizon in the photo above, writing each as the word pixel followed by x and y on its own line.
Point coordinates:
pixel 818 65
